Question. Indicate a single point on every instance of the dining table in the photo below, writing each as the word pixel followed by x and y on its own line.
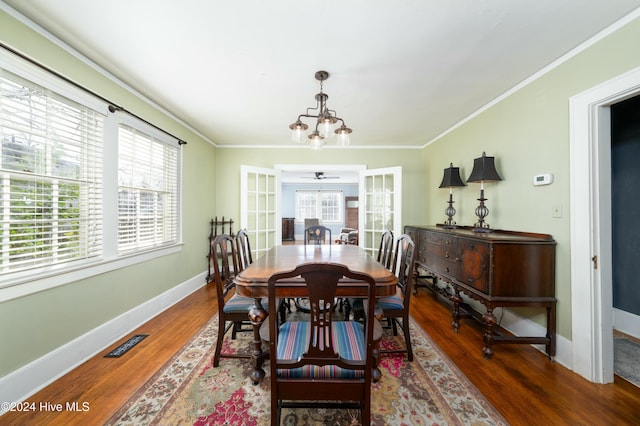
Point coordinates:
pixel 253 282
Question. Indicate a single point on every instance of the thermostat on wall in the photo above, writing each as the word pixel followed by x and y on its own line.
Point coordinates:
pixel 543 179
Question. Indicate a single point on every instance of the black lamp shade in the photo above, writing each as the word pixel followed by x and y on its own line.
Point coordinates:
pixel 451 177
pixel 484 170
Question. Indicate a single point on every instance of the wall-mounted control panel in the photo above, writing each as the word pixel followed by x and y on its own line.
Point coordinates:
pixel 543 179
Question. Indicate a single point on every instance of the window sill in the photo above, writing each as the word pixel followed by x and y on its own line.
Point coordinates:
pixel 15 287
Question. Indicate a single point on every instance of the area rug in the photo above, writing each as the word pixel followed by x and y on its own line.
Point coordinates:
pixel 626 356
pixel 188 390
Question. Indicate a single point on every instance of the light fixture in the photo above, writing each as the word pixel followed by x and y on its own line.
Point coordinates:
pixel 451 179
pixel 484 170
pixel 325 121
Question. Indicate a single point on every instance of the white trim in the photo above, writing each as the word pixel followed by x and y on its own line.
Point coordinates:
pixel 591 289
pixel 626 322
pixel 73 52
pixel 306 147
pixel 553 65
pixel 27 380
pixel 522 326
pixel 45 281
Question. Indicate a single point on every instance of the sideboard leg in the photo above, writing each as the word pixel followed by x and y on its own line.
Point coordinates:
pixel 456 299
pixel 489 322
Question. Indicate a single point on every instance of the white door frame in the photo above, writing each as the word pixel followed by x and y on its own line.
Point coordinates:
pixel 590 192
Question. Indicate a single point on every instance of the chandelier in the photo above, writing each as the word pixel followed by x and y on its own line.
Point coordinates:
pixel 326 120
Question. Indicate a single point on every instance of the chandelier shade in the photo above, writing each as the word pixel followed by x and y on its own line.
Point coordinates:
pixel 325 121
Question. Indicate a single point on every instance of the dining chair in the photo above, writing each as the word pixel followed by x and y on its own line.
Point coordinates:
pixel 317 234
pixel 233 311
pixel 396 307
pixel 386 248
pixel 243 247
pixel 385 253
pixel 321 361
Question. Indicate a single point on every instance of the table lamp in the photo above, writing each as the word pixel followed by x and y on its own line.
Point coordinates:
pixel 451 179
pixel 484 170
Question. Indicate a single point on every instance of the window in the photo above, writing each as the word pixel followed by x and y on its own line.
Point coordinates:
pixel 82 191
pixel 51 166
pixel 147 191
pixel 325 205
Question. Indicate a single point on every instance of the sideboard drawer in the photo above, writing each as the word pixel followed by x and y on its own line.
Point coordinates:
pixel 475 261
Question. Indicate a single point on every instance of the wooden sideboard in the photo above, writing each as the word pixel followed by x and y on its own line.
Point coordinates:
pixel 498 268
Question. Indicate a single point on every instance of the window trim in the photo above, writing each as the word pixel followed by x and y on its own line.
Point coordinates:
pixel 22 283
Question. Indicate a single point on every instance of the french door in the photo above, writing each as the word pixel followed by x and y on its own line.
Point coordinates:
pixel 260 212
pixel 380 206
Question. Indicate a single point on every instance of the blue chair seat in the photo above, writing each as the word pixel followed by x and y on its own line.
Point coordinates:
pixel 389 303
pixel 241 304
pixel 348 341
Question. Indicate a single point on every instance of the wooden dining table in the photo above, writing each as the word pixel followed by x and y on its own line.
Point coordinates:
pixel 253 282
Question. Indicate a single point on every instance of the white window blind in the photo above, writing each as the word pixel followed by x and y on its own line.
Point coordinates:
pixel 147 191
pixel 51 170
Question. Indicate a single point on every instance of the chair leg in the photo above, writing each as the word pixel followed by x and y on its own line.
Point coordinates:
pixel 221 330
pixel 394 326
pixel 282 310
pixel 407 337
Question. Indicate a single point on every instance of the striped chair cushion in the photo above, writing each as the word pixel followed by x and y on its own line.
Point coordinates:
pixel 389 303
pixel 348 340
pixel 241 304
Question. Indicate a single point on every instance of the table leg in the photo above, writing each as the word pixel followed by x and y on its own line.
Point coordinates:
pixel 257 315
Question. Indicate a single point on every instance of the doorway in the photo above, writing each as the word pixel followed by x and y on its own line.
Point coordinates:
pixel 351 212
pixel 591 236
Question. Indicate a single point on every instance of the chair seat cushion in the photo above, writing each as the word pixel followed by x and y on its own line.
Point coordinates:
pixel 389 303
pixel 348 341
pixel 241 304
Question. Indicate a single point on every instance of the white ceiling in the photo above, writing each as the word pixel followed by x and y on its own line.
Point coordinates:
pixel 402 72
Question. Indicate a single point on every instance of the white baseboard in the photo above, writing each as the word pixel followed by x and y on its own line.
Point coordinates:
pixel 626 322
pixel 27 380
pixel 521 326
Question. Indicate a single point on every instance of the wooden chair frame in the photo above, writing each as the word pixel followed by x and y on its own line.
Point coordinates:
pixel 322 281
pixel 403 268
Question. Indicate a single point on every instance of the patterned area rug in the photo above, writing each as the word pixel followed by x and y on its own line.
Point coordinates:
pixel 626 358
pixel 188 390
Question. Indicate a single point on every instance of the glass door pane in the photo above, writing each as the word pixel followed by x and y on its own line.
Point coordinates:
pixel 381 206
pixel 260 207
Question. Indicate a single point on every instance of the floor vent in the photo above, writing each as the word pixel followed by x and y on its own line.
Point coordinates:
pixel 123 348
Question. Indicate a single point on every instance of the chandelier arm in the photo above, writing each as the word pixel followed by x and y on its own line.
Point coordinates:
pixel 307 116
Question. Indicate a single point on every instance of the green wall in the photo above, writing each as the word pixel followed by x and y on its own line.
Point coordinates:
pixel 34 325
pixel 528 133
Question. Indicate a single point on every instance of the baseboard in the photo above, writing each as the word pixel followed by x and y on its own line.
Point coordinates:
pixel 29 379
pixel 521 326
pixel 626 322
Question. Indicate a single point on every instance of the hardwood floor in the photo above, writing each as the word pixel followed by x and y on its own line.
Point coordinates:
pixel 519 381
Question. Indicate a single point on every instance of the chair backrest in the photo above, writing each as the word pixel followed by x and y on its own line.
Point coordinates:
pixel 403 265
pixel 321 281
pixel 386 248
pixel 243 247
pixel 317 234
pixel 225 267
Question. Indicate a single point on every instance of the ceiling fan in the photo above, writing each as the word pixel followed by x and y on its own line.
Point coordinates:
pixel 321 176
